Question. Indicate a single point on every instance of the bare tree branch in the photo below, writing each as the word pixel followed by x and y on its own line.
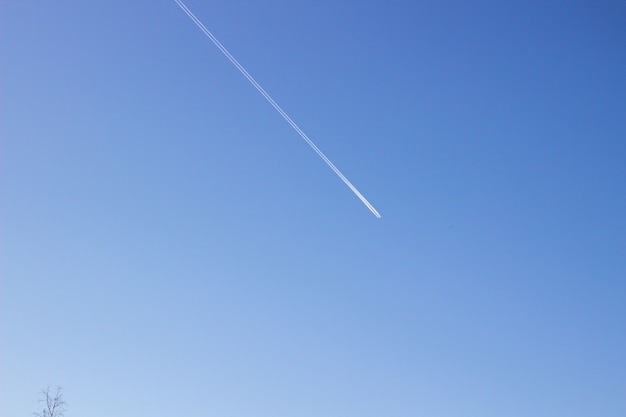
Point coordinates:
pixel 54 404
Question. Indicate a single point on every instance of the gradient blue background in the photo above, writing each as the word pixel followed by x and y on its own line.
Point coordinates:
pixel 170 246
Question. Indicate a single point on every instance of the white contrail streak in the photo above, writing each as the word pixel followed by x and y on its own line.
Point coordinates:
pixel 276 106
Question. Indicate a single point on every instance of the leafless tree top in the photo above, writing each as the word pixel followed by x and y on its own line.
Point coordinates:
pixel 54 405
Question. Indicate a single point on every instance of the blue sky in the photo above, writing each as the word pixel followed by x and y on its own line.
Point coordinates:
pixel 170 246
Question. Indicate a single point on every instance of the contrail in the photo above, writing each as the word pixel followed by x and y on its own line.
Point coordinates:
pixel 276 106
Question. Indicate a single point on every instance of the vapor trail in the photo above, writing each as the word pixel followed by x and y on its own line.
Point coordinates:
pixel 276 106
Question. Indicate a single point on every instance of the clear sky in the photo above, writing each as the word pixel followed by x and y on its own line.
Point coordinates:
pixel 170 246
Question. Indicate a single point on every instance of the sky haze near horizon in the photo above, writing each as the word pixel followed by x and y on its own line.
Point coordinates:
pixel 171 247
